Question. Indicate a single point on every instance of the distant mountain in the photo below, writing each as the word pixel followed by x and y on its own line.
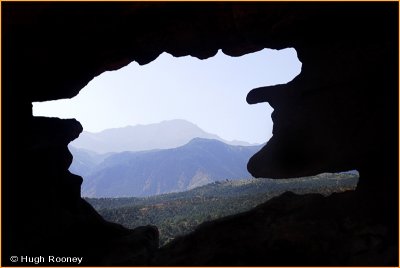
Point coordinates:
pixel 85 161
pixel 164 135
pixel 146 173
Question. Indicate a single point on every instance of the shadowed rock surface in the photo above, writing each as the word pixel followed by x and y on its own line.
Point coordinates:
pixel 289 230
pixel 340 113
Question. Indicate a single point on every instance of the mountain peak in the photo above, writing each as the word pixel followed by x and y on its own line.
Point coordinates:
pixel 204 141
pixel 174 121
pixel 198 162
pixel 164 135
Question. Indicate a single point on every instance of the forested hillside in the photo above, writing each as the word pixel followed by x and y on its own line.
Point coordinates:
pixel 179 213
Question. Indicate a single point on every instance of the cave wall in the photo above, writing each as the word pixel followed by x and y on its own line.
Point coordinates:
pixel 340 113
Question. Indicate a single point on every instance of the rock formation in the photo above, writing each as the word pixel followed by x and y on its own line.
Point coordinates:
pixel 340 113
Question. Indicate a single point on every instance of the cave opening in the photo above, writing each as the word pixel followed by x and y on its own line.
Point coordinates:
pixel 345 105
pixel 133 109
pixel 161 123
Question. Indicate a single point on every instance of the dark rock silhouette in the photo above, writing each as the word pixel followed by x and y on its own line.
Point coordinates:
pixel 340 113
pixel 288 230
pixel 48 205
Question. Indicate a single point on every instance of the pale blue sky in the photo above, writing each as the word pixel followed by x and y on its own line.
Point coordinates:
pixel 210 93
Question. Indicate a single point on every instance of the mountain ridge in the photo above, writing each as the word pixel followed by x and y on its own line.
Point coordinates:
pixel 164 135
pixel 151 172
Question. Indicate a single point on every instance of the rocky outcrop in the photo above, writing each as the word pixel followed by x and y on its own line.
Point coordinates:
pixel 339 113
pixel 289 230
pixel 47 216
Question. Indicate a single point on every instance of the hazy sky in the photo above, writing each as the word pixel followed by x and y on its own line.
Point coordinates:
pixel 209 93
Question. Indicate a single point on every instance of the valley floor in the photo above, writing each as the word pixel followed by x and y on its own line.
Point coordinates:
pixel 177 214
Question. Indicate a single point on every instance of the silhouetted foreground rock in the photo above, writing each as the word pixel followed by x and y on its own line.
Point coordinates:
pixel 290 230
pixel 340 113
pixel 57 222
